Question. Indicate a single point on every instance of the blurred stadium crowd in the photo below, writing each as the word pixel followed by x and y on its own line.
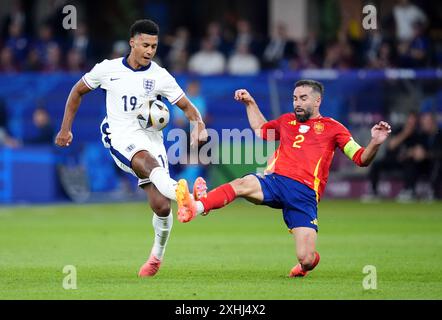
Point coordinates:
pixel 406 38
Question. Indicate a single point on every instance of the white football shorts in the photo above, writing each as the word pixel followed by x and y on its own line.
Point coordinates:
pixel 124 144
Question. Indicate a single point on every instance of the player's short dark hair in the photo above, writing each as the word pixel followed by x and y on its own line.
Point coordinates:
pixel 315 85
pixel 144 26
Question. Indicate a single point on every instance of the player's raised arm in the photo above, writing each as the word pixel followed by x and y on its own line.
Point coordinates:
pixel 64 136
pixel 363 156
pixel 379 133
pixel 256 118
pixel 199 132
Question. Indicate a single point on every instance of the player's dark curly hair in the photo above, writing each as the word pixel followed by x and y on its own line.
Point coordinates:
pixel 315 85
pixel 144 26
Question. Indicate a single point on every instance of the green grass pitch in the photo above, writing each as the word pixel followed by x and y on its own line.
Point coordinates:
pixel 239 252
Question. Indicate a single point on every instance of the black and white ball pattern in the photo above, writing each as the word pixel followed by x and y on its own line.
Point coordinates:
pixel 156 117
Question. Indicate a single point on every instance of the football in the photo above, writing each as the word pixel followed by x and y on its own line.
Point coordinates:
pixel 154 116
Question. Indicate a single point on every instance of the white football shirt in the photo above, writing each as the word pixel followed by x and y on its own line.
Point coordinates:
pixel 128 89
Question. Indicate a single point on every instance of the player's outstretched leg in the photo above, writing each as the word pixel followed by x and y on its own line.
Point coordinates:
pixel 188 208
pixel 247 187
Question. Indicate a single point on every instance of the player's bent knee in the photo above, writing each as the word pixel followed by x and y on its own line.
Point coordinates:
pixel 243 186
pixel 143 164
pixel 161 207
pixel 240 186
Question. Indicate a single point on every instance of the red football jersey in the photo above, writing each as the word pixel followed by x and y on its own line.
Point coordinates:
pixel 306 149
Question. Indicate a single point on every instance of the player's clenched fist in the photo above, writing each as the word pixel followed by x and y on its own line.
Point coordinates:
pixel 243 96
pixel 63 138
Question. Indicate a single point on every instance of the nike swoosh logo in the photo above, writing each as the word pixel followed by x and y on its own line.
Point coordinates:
pixel 112 79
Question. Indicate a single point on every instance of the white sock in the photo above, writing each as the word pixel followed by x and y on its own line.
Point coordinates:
pixel 164 183
pixel 199 207
pixel 162 227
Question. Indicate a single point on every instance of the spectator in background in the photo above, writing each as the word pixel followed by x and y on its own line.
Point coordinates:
pixel 17 41
pixel 44 41
pixel 303 58
pixel 438 54
pixel 406 15
pixel 179 46
pixel 7 61
pixel 245 36
pixel 379 48
pixel 313 44
pixel 180 62
pixel 120 48
pixel 382 59
pixel 74 61
pixel 53 59
pixel 278 48
pixel 33 62
pixel 80 41
pixel 207 61
pixel 372 44
pixel 44 129
pixel 5 138
pixel 414 53
pixel 339 54
pixel 215 34
pixel 436 165
pixel 432 141
pixel 54 16
pixel 16 15
pixel 242 62
pixel 346 51
pixel 423 158
pixel 332 56
pixel 393 160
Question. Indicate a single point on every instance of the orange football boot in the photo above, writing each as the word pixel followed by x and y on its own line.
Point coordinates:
pixel 186 204
pixel 199 188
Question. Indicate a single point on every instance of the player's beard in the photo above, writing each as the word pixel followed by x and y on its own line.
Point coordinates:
pixel 305 116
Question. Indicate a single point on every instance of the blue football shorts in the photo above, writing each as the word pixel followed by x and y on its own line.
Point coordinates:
pixel 297 201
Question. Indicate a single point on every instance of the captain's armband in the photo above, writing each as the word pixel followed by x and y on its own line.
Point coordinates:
pixel 351 148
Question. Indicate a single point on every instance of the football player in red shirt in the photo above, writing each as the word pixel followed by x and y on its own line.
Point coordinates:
pixel 296 174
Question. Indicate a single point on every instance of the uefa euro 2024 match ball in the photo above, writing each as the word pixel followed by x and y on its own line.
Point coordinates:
pixel 154 115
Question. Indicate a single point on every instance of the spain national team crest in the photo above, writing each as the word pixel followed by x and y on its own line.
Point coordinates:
pixel 318 127
pixel 148 85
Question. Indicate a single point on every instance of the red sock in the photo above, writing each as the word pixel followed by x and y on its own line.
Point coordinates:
pixel 218 197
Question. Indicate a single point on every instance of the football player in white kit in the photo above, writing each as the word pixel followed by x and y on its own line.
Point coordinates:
pixel 129 82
